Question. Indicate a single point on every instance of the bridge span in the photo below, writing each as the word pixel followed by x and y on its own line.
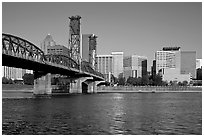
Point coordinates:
pixel 20 53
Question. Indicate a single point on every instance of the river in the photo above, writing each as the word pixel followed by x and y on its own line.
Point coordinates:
pixel 104 114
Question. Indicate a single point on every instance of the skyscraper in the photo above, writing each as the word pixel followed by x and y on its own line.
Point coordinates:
pixel 48 41
pixel 188 63
pixel 166 58
pixel 49 46
pixel 105 65
pixel 117 63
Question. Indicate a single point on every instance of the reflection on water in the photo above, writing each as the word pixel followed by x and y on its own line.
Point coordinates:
pixel 117 126
pixel 108 113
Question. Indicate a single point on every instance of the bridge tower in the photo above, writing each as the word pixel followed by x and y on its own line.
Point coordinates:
pixel 74 38
pixel 92 51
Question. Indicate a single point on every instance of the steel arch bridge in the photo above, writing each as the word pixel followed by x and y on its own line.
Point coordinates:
pixel 20 53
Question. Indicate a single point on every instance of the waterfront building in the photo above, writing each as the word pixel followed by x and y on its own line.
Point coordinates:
pixel 153 69
pixel 105 66
pixel 135 66
pixel 14 73
pixel 198 63
pixel 144 67
pixel 176 65
pixel 188 63
pixel 117 63
pixel 166 58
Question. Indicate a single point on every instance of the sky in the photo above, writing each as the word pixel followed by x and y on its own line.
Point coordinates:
pixel 132 27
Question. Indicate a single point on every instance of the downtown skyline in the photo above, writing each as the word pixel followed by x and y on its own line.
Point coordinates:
pixel 133 28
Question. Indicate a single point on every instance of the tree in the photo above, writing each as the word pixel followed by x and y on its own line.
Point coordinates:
pixel 165 83
pixel 158 80
pixel 121 81
pixel 180 84
pixel 185 83
pixel 130 80
pixel 10 81
pixel 151 82
pixel 138 81
pixel 5 80
pixel 145 80
pixel 28 79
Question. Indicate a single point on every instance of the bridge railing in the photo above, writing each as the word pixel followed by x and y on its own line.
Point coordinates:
pixel 86 67
pixel 62 60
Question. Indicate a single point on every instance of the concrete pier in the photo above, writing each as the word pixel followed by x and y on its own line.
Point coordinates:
pixel 42 85
pixel 83 85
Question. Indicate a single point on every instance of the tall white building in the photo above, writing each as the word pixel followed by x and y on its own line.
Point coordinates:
pixel 198 63
pixel 117 63
pixel 176 65
pixel 167 59
pixel 105 65
pixel 110 65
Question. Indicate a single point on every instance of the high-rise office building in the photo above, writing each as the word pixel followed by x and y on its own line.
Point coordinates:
pixel 144 67
pixel 50 47
pixel 188 63
pixel 153 69
pixel 48 41
pixel 127 66
pixel 176 65
pixel 105 66
pixel 135 66
pixel 166 58
pixel 198 63
pixel 117 63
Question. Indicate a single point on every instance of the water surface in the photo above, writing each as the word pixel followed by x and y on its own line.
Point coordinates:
pixel 105 113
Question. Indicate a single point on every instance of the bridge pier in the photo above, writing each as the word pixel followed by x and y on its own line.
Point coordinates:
pixel 83 85
pixel 42 84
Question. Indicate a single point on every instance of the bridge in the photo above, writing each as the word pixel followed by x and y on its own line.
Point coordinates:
pixel 20 53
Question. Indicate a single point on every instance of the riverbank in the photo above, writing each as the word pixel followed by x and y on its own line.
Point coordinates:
pixel 153 91
pixel 17 87
pixel 13 88
pixel 150 89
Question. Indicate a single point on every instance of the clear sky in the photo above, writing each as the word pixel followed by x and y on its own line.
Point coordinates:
pixel 134 28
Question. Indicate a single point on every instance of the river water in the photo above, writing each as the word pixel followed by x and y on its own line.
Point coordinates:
pixel 104 114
